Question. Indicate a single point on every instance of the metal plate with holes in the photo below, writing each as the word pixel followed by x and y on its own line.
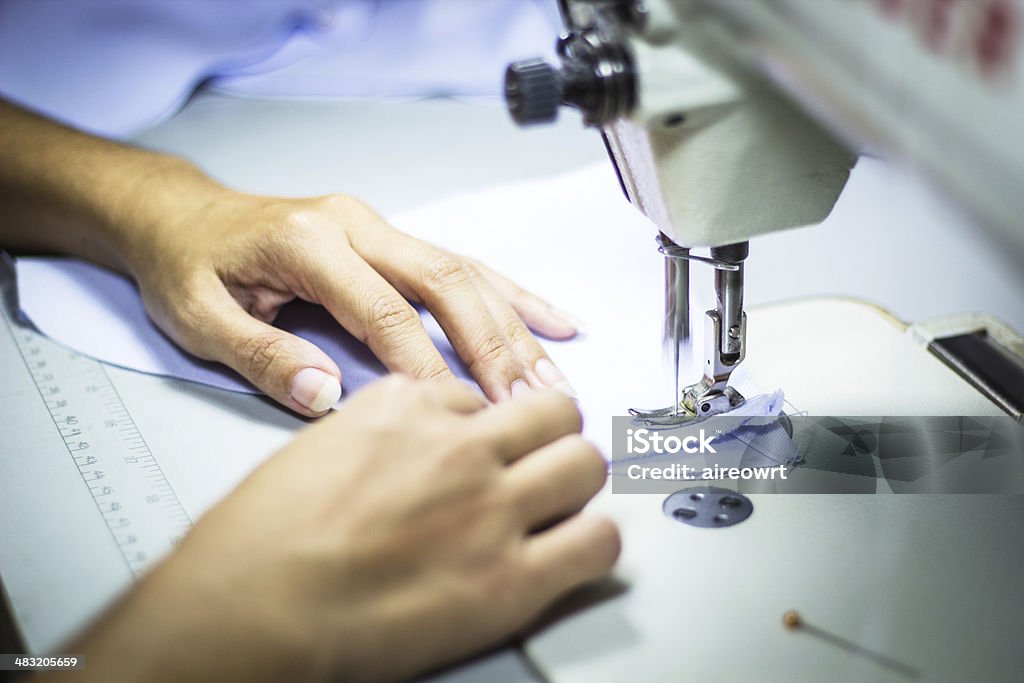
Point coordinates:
pixel 708 506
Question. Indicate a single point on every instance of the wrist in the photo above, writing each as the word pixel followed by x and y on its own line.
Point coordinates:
pixel 155 209
pixel 66 191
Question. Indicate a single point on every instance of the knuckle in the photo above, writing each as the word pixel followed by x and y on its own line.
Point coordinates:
pixel 463 449
pixel 434 371
pixel 506 500
pixel 515 332
pixel 491 349
pixel 342 203
pixel 297 229
pixel 296 222
pixel 389 315
pixel 258 354
pixel 446 272
pixel 474 451
pixel 308 223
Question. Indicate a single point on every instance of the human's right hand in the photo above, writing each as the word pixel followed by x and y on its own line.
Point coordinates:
pixel 413 527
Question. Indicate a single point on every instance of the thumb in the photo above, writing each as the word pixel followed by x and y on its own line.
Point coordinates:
pixel 289 369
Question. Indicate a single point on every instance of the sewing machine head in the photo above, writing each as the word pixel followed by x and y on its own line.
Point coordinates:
pixel 708 149
pixel 704 146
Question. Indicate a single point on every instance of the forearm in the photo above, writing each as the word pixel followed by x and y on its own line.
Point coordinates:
pixel 65 191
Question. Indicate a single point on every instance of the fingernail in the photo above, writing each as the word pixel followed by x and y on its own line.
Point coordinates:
pixel 570 320
pixel 549 373
pixel 315 389
pixel 519 388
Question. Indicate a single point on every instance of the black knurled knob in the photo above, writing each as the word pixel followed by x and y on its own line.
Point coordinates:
pixel 533 91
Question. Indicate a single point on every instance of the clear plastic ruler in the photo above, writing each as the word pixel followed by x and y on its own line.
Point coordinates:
pixel 122 475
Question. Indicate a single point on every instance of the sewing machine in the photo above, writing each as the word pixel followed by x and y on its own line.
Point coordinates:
pixel 726 120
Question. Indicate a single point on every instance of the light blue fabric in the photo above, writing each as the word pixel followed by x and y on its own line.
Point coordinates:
pixel 115 67
pixel 407 48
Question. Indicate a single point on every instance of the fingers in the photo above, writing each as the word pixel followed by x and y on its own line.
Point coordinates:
pixel 370 308
pixel 289 369
pixel 556 480
pixel 540 370
pixel 577 551
pixel 440 280
pixel 483 324
pixel 524 425
pixel 538 314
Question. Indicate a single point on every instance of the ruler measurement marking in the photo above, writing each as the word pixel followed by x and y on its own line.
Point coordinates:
pixel 105 394
pixel 167 484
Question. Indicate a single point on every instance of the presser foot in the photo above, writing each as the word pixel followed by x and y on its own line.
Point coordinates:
pixel 698 403
pixel 710 401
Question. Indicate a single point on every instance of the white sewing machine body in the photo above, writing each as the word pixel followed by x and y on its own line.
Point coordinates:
pixel 742 112
pixel 710 152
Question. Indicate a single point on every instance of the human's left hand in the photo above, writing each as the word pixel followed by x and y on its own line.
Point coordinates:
pixel 215 277
pixel 215 266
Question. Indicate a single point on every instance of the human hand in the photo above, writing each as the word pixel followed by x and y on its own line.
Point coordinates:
pixel 215 266
pixel 215 275
pixel 413 527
